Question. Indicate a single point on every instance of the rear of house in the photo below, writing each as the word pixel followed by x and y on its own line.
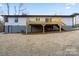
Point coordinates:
pixel 35 23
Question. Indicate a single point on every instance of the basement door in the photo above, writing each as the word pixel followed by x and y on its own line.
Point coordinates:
pixel 9 29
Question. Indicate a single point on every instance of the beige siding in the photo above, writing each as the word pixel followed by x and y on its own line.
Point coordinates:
pixel 34 18
pixel 66 20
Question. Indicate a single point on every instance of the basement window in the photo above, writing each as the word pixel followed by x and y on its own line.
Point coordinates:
pixel 16 20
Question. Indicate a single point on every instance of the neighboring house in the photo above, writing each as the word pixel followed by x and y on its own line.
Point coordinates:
pixel 33 23
pixel 76 19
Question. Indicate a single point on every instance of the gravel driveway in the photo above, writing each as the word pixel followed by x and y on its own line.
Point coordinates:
pixel 51 44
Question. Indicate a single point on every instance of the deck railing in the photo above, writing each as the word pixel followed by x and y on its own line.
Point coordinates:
pixel 50 21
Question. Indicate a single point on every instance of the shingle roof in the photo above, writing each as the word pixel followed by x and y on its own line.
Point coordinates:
pixel 41 15
pixel 75 14
pixel 37 15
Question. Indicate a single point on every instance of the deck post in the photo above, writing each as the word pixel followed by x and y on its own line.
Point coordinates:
pixel 26 25
pixel 31 27
pixel 26 30
pixel 43 28
pixel 73 22
pixel 60 28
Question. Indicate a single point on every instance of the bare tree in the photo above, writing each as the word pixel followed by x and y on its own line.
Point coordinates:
pixel 18 10
pixel 15 10
pixel 25 12
pixel 8 9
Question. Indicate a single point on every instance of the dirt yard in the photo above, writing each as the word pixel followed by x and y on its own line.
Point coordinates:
pixel 51 44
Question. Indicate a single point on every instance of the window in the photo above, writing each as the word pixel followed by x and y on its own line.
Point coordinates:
pixel 37 19
pixel 6 19
pixel 50 19
pixel 47 20
pixel 16 20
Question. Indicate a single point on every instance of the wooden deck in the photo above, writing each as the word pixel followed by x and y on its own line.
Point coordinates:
pixel 43 23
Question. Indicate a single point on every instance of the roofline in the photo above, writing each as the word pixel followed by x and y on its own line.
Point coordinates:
pixel 75 14
pixel 37 15
pixel 41 15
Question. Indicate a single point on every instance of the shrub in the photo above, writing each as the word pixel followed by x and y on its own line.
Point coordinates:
pixel 77 25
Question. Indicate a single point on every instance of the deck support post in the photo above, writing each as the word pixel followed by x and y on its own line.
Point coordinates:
pixel 26 30
pixel 43 28
pixel 75 22
pixel 59 28
pixel 31 27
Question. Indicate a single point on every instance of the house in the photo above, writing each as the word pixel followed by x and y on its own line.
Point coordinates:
pixel 14 23
pixel 38 23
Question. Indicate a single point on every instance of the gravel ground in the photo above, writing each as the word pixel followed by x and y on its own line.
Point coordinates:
pixel 50 44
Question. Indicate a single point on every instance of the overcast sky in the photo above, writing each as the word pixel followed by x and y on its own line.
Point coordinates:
pixel 44 8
